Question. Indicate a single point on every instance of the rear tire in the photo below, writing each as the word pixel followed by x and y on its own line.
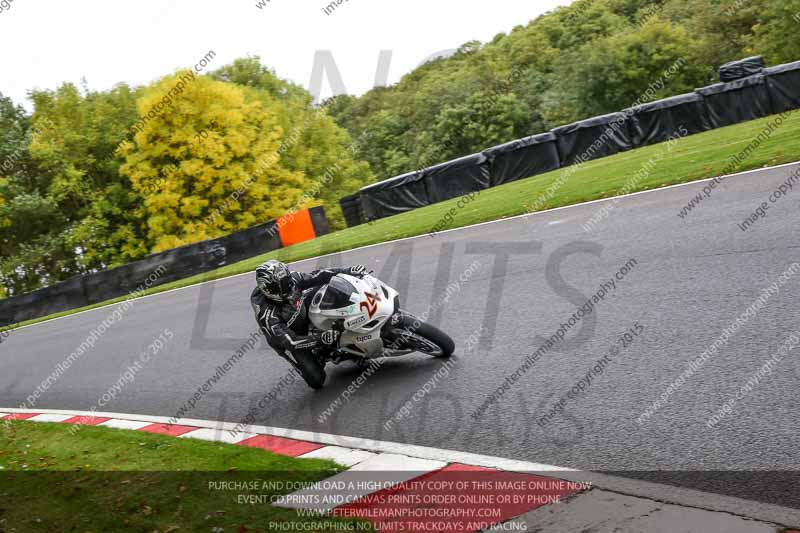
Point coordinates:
pixel 428 332
pixel 311 369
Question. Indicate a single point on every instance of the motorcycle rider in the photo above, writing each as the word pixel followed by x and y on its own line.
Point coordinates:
pixel 282 314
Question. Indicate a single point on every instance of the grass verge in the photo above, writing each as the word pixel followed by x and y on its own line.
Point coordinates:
pixel 692 158
pixel 102 479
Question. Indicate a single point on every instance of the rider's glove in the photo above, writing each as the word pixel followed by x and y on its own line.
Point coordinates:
pixel 358 270
pixel 329 337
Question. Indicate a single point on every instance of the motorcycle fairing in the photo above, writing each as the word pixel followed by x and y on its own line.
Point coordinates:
pixel 362 312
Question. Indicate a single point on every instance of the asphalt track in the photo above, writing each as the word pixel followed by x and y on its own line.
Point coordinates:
pixel 692 278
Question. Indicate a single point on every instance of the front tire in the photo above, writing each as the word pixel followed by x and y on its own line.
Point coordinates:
pixel 426 338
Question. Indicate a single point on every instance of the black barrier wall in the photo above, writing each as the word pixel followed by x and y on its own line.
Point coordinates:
pixel 456 178
pixel 737 101
pixel 783 83
pixel 395 195
pixel 522 158
pixel 351 209
pixel 593 138
pixel 319 221
pixel 153 270
pixel 753 92
pixel 658 121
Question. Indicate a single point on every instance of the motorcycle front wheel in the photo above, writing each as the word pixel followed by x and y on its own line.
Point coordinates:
pixel 423 337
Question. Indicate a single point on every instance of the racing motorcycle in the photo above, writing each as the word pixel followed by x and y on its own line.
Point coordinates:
pixel 366 312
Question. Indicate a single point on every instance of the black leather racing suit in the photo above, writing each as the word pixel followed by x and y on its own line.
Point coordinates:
pixel 285 324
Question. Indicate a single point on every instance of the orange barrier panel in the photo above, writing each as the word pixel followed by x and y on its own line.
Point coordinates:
pixel 296 227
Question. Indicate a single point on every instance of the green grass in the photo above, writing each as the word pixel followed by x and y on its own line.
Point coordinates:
pixel 692 158
pixel 102 479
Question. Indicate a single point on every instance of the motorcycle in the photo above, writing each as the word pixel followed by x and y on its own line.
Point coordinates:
pixel 366 312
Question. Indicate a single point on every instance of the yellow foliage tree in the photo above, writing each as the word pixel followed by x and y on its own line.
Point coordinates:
pixel 4 221
pixel 206 159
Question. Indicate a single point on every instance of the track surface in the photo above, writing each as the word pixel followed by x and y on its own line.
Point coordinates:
pixel 693 278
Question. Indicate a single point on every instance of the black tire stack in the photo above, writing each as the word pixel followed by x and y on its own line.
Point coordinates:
pixel 351 208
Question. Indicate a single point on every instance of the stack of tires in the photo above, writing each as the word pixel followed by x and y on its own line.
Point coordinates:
pixel 351 208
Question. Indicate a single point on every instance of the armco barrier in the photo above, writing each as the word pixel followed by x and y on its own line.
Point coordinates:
pixel 319 221
pixel 160 268
pixel 737 101
pixel 593 138
pixel 351 209
pixel 655 122
pixel 751 96
pixel 522 158
pixel 783 83
pixel 393 196
pixel 456 178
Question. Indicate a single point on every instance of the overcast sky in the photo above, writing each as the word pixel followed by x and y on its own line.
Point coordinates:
pixel 46 42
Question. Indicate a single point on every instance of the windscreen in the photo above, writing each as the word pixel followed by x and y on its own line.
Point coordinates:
pixel 337 295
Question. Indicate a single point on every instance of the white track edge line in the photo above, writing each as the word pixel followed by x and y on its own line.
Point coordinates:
pixel 461 228
pixel 630 486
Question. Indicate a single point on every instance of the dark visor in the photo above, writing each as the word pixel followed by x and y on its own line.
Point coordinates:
pixel 337 295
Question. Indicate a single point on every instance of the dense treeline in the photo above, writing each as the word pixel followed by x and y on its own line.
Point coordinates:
pixel 92 180
pixel 586 59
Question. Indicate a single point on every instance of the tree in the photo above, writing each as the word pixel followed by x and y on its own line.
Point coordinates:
pixel 74 144
pixel 484 119
pixel 209 164
pixel 14 125
pixel 32 246
pixel 775 31
pixel 250 72
pixel 645 63
pixel 314 145
pixel 92 179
